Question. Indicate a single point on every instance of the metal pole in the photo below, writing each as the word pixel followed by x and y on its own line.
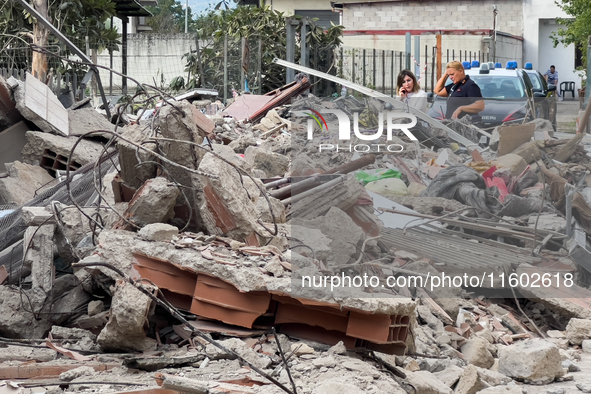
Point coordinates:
pixel 494 51
pixel 290 49
pixel 433 68
pixel 124 56
pixel 418 56
pixel 304 61
pixel 187 17
pixel 111 67
pixel 364 84
pixel 225 68
pixel 383 71
pixel 588 91
pixel 392 74
pixel 201 76
pixel 260 73
pixel 352 65
pixel 374 81
pixel 439 66
pixel 408 47
pixel 243 46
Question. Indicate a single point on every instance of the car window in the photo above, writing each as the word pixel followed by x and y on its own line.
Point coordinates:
pixel 535 81
pixel 499 86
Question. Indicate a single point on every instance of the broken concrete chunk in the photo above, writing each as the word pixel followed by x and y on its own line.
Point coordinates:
pixel 228 154
pixel 262 207
pixel 512 161
pixel 578 330
pixel 493 378
pixel 543 125
pixel 39 258
pixel 226 208
pixel 273 164
pixel 152 203
pixel 343 232
pixel 313 238
pixel 84 120
pixel 450 375
pixel 36 102
pixel 476 352
pixel 76 373
pixel 23 181
pixel 160 232
pixel 16 322
pixel 58 332
pixel 340 348
pixel 239 347
pixel 426 383
pixel 184 385
pixel 530 152
pixel 243 141
pixel 334 386
pixel 128 320
pixel 301 348
pixel 533 360
pixel 95 307
pixel 52 151
pixel 36 216
pixel 552 222
pixel 133 174
pixel 502 390
pixel 470 382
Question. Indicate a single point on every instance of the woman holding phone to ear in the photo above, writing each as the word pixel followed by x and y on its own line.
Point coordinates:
pixel 409 91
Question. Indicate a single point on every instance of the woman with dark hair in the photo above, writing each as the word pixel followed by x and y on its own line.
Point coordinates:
pixel 410 92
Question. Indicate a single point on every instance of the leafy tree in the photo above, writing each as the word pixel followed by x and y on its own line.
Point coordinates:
pixel 576 29
pixel 75 18
pixel 254 24
pixel 169 17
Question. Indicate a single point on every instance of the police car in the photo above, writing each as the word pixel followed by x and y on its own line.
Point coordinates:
pixel 506 92
pixel 543 95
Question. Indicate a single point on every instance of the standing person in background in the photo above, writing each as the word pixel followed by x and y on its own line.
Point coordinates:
pixel 410 92
pixel 464 95
pixel 552 78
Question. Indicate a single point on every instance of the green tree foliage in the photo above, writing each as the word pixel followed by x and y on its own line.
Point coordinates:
pixel 77 19
pixel 576 29
pixel 169 17
pixel 254 24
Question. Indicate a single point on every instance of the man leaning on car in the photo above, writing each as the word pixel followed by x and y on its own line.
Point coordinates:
pixel 463 92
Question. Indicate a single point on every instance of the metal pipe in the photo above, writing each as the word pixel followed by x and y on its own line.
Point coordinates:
pixel 315 190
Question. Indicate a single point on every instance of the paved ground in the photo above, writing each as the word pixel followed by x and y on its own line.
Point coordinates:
pixel 566 116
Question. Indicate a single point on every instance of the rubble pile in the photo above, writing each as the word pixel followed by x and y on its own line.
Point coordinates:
pixel 196 248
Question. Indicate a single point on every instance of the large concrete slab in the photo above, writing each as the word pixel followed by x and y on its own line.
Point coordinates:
pixel 38 104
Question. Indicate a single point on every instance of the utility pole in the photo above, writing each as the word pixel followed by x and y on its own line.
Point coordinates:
pixel 494 33
pixel 187 17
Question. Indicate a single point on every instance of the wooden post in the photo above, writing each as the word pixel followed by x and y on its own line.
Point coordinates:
pixel 439 65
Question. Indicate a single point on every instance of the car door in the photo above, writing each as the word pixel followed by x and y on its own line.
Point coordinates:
pixel 549 100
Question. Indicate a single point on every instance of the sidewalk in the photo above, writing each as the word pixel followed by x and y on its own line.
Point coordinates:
pixel 566 116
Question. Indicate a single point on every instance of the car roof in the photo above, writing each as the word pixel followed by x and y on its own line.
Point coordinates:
pixel 496 71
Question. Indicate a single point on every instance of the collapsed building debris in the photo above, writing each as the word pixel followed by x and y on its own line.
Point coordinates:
pixel 213 251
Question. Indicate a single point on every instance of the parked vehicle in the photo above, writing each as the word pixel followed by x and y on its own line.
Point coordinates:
pixel 544 95
pixel 506 92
